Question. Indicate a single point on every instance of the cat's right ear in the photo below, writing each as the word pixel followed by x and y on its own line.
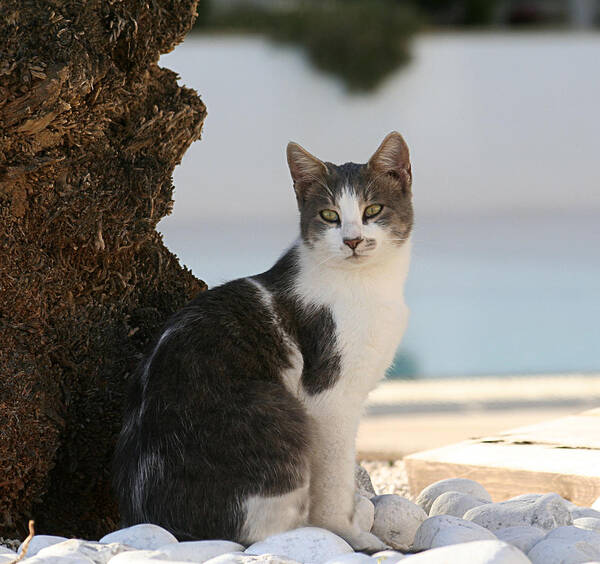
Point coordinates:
pixel 305 169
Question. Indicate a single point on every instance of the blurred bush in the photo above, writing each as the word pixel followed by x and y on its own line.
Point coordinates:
pixel 362 41
pixel 405 366
pixel 457 12
pixel 359 42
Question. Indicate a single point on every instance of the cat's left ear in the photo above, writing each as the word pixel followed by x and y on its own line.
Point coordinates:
pixel 392 158
pixel 305 169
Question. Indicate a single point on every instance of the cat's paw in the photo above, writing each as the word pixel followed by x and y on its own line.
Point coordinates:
pixel 365 542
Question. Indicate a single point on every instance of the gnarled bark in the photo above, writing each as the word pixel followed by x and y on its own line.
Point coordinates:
pixel 90 131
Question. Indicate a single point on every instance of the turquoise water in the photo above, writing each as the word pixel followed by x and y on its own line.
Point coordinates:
pixel 503 130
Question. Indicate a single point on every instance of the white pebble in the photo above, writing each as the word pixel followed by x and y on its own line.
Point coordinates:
pixel 100 553
pixel 444 530
pixel 547 512
pixel 144 536
pixel 158 560
pixel 228 557
pixel 364 512
pixel 574 534
pixel 197 551
pixel 396 520
pixel 463 485
pixel 242 558
pixel 589 523
pixel 454 503
pixel 579 512
pixel 534 497
pixel 134 556
pixel 307 544
pixel 72 558
pixel 40 541
pixel 478 552
pixel 353 558
pixel 146 559
pixel 558 551
pixel 388 556
pixel 524 537
pixel 364 486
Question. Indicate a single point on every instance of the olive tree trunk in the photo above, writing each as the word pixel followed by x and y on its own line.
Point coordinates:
pixel 90 131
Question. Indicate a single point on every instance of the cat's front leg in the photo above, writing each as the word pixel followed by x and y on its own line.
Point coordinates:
pixel 332 482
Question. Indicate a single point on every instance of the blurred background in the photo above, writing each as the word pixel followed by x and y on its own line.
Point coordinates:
pixel 499 103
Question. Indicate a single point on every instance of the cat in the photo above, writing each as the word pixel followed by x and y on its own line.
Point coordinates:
pixel 241 421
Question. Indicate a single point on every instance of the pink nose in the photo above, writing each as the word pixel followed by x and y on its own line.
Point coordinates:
pixel 353 243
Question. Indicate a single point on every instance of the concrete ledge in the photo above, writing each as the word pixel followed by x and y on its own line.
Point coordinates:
pixel 403 417
pixel 476 392
pixel 562 456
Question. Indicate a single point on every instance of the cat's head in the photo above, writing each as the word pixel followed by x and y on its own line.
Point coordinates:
pixel 354 214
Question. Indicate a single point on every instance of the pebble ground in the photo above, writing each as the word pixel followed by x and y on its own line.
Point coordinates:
pixel 388 476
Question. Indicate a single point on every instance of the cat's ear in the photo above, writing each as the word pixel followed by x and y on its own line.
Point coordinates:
pixel 392 158
pixel 305 168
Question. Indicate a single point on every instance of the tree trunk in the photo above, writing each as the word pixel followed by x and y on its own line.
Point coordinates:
pixel 90 131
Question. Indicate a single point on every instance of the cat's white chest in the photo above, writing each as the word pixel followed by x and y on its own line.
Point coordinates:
pixel 370 318
pixel 370 323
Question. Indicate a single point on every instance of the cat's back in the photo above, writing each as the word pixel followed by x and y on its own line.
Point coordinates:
pixel 225 335
pixel 210 421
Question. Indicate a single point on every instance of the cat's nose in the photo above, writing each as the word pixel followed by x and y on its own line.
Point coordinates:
pixel 353 243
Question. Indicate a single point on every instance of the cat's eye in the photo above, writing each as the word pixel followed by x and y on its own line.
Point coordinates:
pixel 373 210
pixel 330 215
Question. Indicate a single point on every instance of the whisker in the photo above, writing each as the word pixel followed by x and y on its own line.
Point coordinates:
pixel 324 261
pixel 321 183
pixel 372 181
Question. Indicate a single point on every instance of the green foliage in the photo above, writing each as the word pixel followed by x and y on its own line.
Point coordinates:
pixel 404 367
pixel 359 42
pixel 458 12
pixel 479 12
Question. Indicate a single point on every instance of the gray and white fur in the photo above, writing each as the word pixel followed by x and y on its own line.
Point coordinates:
pixel 242 419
